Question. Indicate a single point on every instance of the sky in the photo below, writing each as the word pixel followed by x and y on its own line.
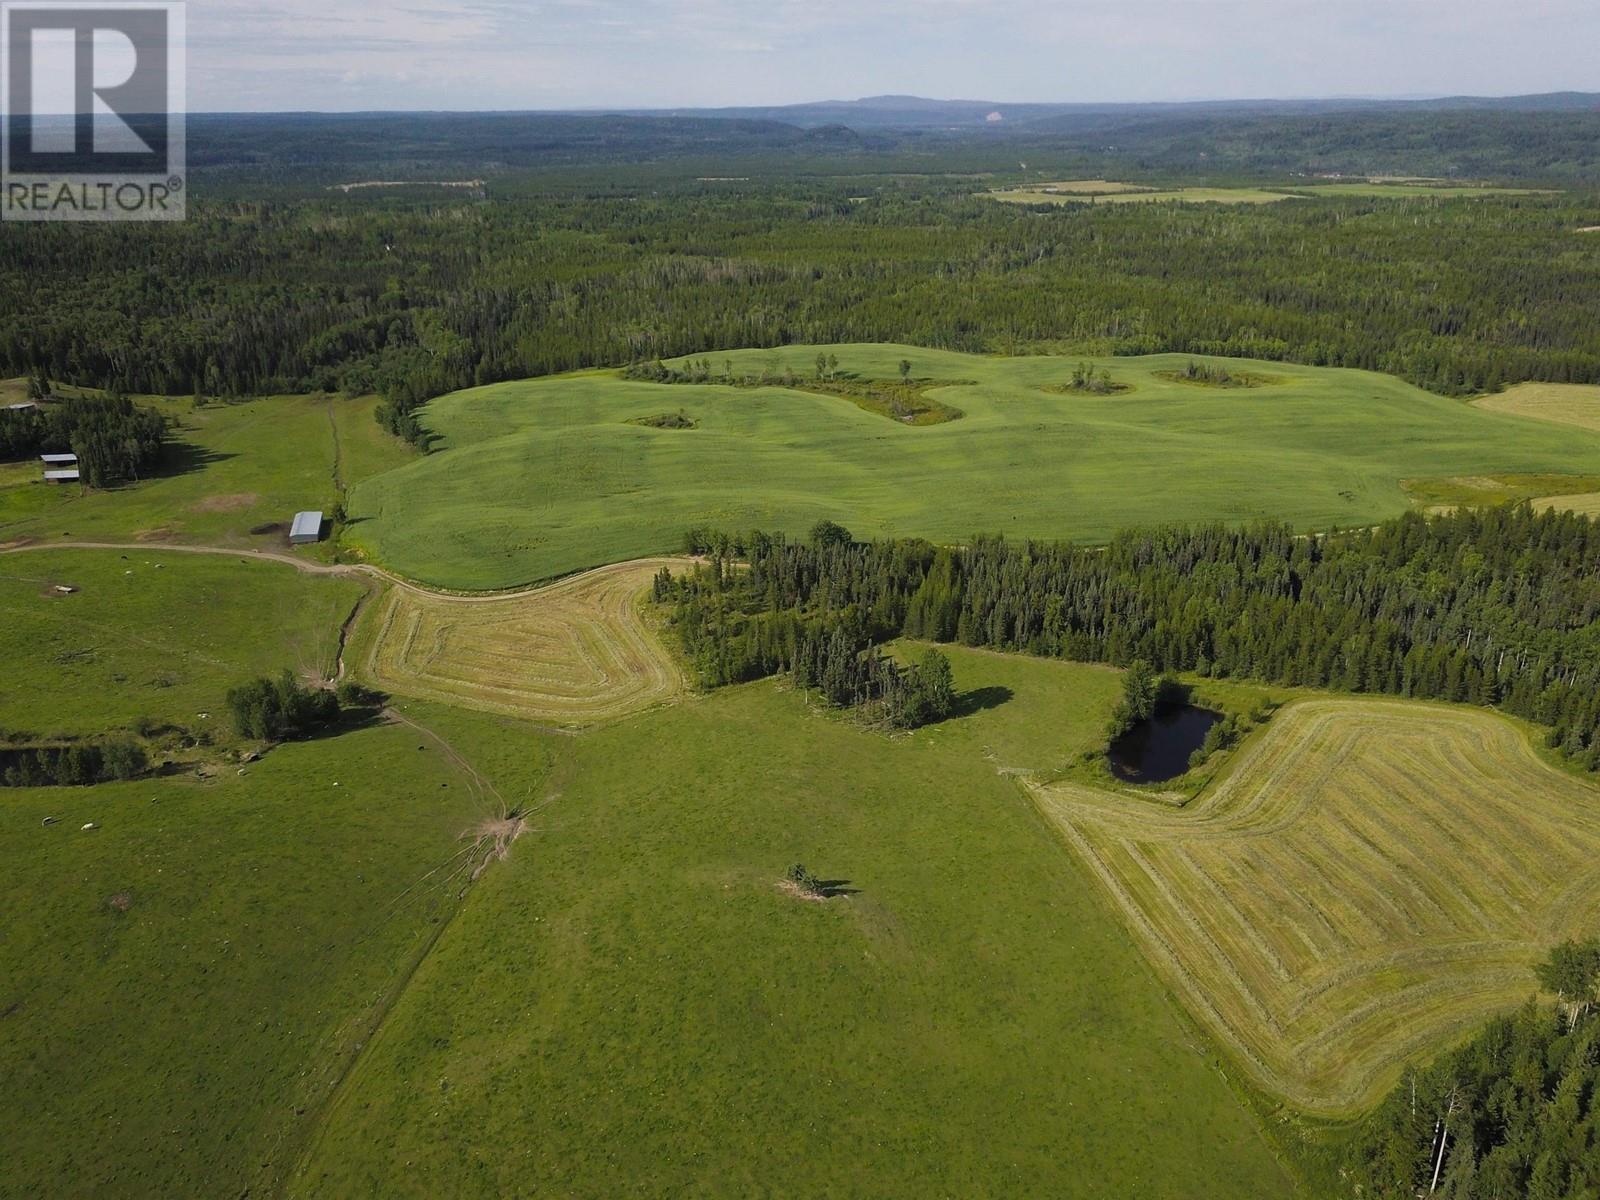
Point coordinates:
pixel 334 55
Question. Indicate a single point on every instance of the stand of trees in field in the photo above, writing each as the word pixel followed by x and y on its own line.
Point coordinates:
pixel 1514 1113
pixel 115 440
pixel 733 631
pixel 1494 607
pixel 412 297
pixel 72 764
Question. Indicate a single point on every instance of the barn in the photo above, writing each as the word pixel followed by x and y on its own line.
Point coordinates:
pixel 307 528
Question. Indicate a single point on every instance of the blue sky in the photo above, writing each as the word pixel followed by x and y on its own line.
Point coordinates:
pixel 476 54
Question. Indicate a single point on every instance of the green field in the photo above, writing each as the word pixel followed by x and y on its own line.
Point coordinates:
pixel 236 475
pixel 632 1004
pixel 542 477
pixel 182 986
pixel 154 635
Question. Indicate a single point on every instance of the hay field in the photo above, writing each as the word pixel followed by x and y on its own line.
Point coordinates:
pixel 571 654
pixel 1585 504
pixel 1562 403
pixel 539 478
pixel 1372 880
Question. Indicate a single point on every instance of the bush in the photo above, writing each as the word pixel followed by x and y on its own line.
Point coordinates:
pixel 277 710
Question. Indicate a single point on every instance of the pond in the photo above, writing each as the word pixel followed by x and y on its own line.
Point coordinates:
pixel 1157 750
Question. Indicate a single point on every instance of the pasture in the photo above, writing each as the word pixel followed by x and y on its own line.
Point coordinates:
pixel 631 996
pixel 539 478
pixel 183 985
pixel 153 635
pixel 235 476
pixel 1370 881
pixel 571 654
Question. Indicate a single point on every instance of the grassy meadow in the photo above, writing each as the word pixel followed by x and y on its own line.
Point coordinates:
pixel 154 635
pixel 183 985
pixel 632 1003
pixel 237 473
pixel 542 477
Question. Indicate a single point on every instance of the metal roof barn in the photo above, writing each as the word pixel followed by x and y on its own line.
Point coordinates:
pixel 307 528
pixel 71 476
pixel 58 458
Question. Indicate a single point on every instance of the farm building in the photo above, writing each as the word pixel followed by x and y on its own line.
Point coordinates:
pixel 25 407
pixel 60 468
pixel 307 528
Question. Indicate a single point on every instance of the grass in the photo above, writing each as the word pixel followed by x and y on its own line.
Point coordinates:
pixel 1585 504
pixel 1370 881
pixel 539 478
pixel 571 654
pixel 1561 403
pixel 633 1002
pixel 152 635
pixel 182 987
pixel 1459 491
pixel 236 475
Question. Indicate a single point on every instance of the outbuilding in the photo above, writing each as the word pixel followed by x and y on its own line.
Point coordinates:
pixel 307 528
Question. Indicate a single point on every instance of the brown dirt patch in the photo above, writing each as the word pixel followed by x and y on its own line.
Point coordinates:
pixel 269 528
pixel 795 892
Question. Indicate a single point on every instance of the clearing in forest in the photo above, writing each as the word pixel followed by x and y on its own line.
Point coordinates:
pixel 1371 880
pixel 571 654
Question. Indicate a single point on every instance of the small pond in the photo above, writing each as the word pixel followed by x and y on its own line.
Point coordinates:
pixel 1157 750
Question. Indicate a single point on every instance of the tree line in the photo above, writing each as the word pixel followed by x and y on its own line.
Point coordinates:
pixel 1497 607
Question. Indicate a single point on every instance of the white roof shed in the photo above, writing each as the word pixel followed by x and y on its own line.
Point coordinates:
pixel 307 527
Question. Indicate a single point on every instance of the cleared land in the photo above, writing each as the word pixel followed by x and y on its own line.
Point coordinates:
pixel 1370 881
pixel 153 635
pixel 540 478
pixel 182 987
pixel 1585 504
pixel 1561 403
pixel 630 996
pixel 573 653
pixel 1131 195
pixel 236 475
pixel 1100 191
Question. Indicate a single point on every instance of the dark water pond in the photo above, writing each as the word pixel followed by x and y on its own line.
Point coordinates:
pixel 1156 750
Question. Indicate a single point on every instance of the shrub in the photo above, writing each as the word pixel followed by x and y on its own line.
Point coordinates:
pixel 276 710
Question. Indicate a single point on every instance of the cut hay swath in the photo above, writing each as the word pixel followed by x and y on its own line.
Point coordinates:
pixel 1372 880
pixel 574 653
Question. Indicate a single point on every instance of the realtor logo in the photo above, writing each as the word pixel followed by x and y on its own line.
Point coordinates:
pixel 91 111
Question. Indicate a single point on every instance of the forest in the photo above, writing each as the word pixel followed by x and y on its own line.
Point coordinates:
pixel 412 296
pixel 1512 1113
pixel 1497 607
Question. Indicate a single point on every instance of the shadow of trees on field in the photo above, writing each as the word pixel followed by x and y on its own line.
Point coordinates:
pixel 980 700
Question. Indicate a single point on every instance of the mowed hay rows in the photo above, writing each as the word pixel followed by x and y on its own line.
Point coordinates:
pixel 1371 880
pixel 573 654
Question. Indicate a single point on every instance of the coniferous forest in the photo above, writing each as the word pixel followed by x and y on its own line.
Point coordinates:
pixel 414 297
pixel 1493 607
